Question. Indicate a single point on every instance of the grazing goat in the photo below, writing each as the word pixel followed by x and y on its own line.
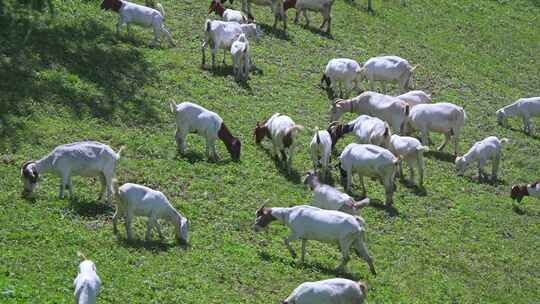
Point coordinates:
pixel 416 97
pixel 329 198
pixel 321 150
pixel 331 291
pixel 192 118
pixel 282 131
pixel 222 34
pixel 482 151
pixel 519 191
pixel 388 69
pixel 388 108
pixel 328 226
pixel 241 58
pixel 226 14
pixel 137 200
pixel 446 118
pixel 371 161
pixel 367 130
pixel 87 158
pixel 524 108
pixel 342 72
pixel 301 6
pixel 275 5
pixel 87 283
pixel 411 150
pixel 138 14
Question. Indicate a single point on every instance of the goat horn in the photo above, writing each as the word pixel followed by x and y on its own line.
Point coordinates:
pixel 336 101
pixel 333 123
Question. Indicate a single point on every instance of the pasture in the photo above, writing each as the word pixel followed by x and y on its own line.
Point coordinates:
pixel 73 79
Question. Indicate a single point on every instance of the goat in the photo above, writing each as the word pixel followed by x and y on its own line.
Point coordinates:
pixel 388 108
pixel 519 191
pixel 87 283
pixel 372 161
pixel 342 72
pixel 446 118
pixel 282 131
pixel 329 198
pixel 482 151
pixel 222 34
pixel 138 14
pixel 226 14
pixel 138 200
pixel 320 151
pixel 275 5
pixel 413 98
pixel 301 6
pixel 388 69
pixel 311 223
pixel 87 158
pixel 524 108
pixel 241 58
pixel 331 291
pixel 192 118
pixel 367 130
pixel 411 150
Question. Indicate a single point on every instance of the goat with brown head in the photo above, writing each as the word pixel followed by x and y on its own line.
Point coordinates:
pixel 114 5
pixel 260 132
pixel 263 217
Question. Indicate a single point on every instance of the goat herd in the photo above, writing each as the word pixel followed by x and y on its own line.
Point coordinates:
pixel 333 216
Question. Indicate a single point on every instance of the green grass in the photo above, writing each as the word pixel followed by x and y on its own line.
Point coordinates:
pixel 73 79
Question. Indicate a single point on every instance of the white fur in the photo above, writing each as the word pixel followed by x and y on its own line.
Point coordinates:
pixel 481 152
pixel 87 283
pixel 143 16
pixel 331 291
pixel 320 151
pixel 234 16
pixel 411 150
pixel 328 226
pixel 322 6
pixel 87 158
pixel 388 108
pixel 371 161
pixel 446 118
pixel 222 34
pixel 343 72
pixel 241 58
pixel 275 5
pixel 279 126
pixel 136 200
pixel 388 69
pixel 524 108
pixel 371 130
pixel 416 97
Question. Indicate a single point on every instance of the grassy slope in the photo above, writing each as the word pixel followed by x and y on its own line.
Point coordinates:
pixel 463 242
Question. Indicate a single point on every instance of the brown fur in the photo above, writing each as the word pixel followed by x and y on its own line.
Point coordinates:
pixel 216 7
pixel 518 192
pixel 232 143
pixel 264 217
pixel 114 5
pixel 288 4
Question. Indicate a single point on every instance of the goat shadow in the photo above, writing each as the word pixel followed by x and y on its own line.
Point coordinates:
pixel 409 184
pixel 194 157
pixel 313 266
pixel 316 30
pixel 152 245
pixel 390 210
pixel 281 165
pixel 521 131
pixel 353 3
pixel 90 209
pixel 484 181
pixel 439 155
pixel 276 32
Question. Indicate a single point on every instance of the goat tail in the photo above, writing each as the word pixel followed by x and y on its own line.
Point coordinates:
pixel 172 105
pixel 415 67
pixel 317 135
pixel 160 9
pixel 504 140
pixel 422 148
pixel 336 101
pixel 295 128
pixel 363 286
pixel 81 256
pixel 116 191
pixel 360 204
pixel 208 25
pixel 386 130
pixel 120 151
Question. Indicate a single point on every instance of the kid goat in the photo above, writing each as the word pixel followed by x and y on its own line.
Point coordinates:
pixel 137 200
pixel 519 191
pixel 411 150
pixel 526 108
pixel 192 118
pixel 87 158
pixel 342 72
pixel 87 283
pixel 241 59
pixel 367 130
pixel 415 97
pixel 226 14
pixel 482 151
pixel 331 291
pixel 138 14
pixel 282 131
pixel 321 150
pixel 310 223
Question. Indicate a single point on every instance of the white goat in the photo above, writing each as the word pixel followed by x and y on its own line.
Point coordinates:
pixel 416 97
pixel 331 291
pixel 275 5
pixel 87 158
pixel 342 72
pixel 87 283
pixel 388 108
pixel 138 14
pixel 367 130
pixel 482 151
pixel 526 108
pixel 311 223
pixel 388 69
pixel 222 34
pixel 446 118
pixel 241 58
pixel 411 150
pixel 225 13
pixel 137 200
pixel 322 6
pixel 282 130
pixel 321 150
pixel 192 118
pixel 329 198
pixel 371 161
